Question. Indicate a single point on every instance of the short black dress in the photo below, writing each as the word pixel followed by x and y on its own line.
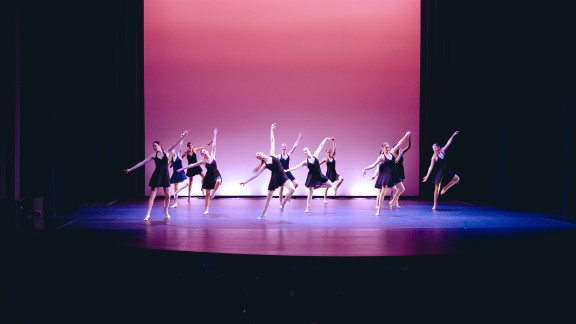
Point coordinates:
pixel 331 170
pixel 161 176
pixel 400 168
pixel 278 176
pixel 195 170
pixel 387 173
pixel 286 166
pixel 440 173
pixel 315 177
pixel 212 174
pixel 177 177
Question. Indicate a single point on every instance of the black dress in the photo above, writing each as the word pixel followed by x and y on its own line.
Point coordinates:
pixel 212 174
pixel 387 173
pixel 278 176
pixel 195 170
pixel 177 177
pixel 331 170
pixel 439 172
pixel 161 175
pixel 286 166
pixel 315 177
pixel 400 168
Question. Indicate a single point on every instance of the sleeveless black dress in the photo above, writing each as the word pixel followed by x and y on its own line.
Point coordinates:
pixel 278 176
pixel 400 168
pixel 387 173
pixel 439 173
pixel 161 176
pixel 315 177
pixel 177 177
pixel 195 170
pixel 286 166
pixel 331 170
pixel 212 174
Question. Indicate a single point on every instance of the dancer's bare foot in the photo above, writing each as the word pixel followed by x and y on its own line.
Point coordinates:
pixel 174 206
pixel 325 201
pixel 166 215
pixel 147 217
pixel 261 216
pixel 307 210
pixel 206 212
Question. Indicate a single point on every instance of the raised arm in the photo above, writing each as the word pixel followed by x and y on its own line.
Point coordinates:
pixel 254 176
pixel 184 134
pixel 295 144
pixel 202 147
pixel 141 163
pixel 320 146
pixel 378 160
pixel 401 141
pixel 301 164
pixel 402 151
pixel 214 143
pixel 449 141
pixel 432 161
pixel 272 140
pixel 333 147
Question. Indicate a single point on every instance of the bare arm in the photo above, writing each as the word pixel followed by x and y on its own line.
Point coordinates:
pixel 184 134
pixel 296 167
pixel 320 147
pixel 449 141
pixel 202 147
pixel 371 165
pixel 333 147
pixel 401 141
pixel 192 165
pixel 432 161
pixel 376 173
pixel 214 143
pixel 254 176
pixel 141 163
pixel 323 161
pixel 272 140
pixel 295 144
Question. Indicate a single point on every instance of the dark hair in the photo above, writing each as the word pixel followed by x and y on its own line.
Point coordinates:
pixel 157 142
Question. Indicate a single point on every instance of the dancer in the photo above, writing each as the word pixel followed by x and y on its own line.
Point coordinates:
pixel 284 158
pixel 190 173
pixel 331 173
pixel 212 179
pixel 161 175
pixel 387 177
pixel 442 176
pixel 278 179
pixel 399 158
pixel 315 178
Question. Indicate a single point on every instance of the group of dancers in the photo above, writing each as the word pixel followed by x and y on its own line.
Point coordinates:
pixel 389 174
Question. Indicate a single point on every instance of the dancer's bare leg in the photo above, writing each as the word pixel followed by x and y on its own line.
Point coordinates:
pixel 166 201
pixel 308 199
pixel 452 182
pixel 266 204
pixel 280 192
pixel 337 185
pixel 382 192
pixel 291 189
pixel 150 202
pixel 201 183
pixel 216 186
pixel 190 179
pixel 378 198
pixel 326 196
pixel 207 201
pixel 436 192
pixel 398 190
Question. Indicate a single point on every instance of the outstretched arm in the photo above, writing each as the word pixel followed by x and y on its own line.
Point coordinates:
pixel 449 141
pixel 376 173
pixel 295 144
pixel 272 140
pixel 320 146
pixel 141 163
pixel 191 165
pixel 401 141
pixel 323 161
pixel 184 134
pixel 202 147
pixel 214 143
pixel 254 176
pixel 296 166
pixel 432 161
pixel 371 165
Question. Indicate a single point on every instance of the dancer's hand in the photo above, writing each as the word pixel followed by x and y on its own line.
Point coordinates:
pixel 242 183
pixel 215 130
pixel 184 134
pixel 273 126
pixel 425 178
pixel 180 170
pixel 127 170
pixel 363 172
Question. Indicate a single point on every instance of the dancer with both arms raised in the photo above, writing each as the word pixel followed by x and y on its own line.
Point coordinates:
pixel 315 178
pixel 331 173
pixel 161 175
pixel 278 178
pixel 441 175
pixel 284 158
pixel 197 170
pixel 399 188
pixel 387 176
pixel 212 179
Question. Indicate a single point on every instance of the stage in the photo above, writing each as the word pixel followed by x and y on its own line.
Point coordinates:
pixel 337 263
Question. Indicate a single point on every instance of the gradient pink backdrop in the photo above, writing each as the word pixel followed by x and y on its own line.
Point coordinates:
pixel 348 69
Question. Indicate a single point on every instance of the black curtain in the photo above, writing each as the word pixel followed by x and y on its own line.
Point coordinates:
pixel 501 72
pixel 79 69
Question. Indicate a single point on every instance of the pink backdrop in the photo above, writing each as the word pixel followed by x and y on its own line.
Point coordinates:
pixel 348 69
